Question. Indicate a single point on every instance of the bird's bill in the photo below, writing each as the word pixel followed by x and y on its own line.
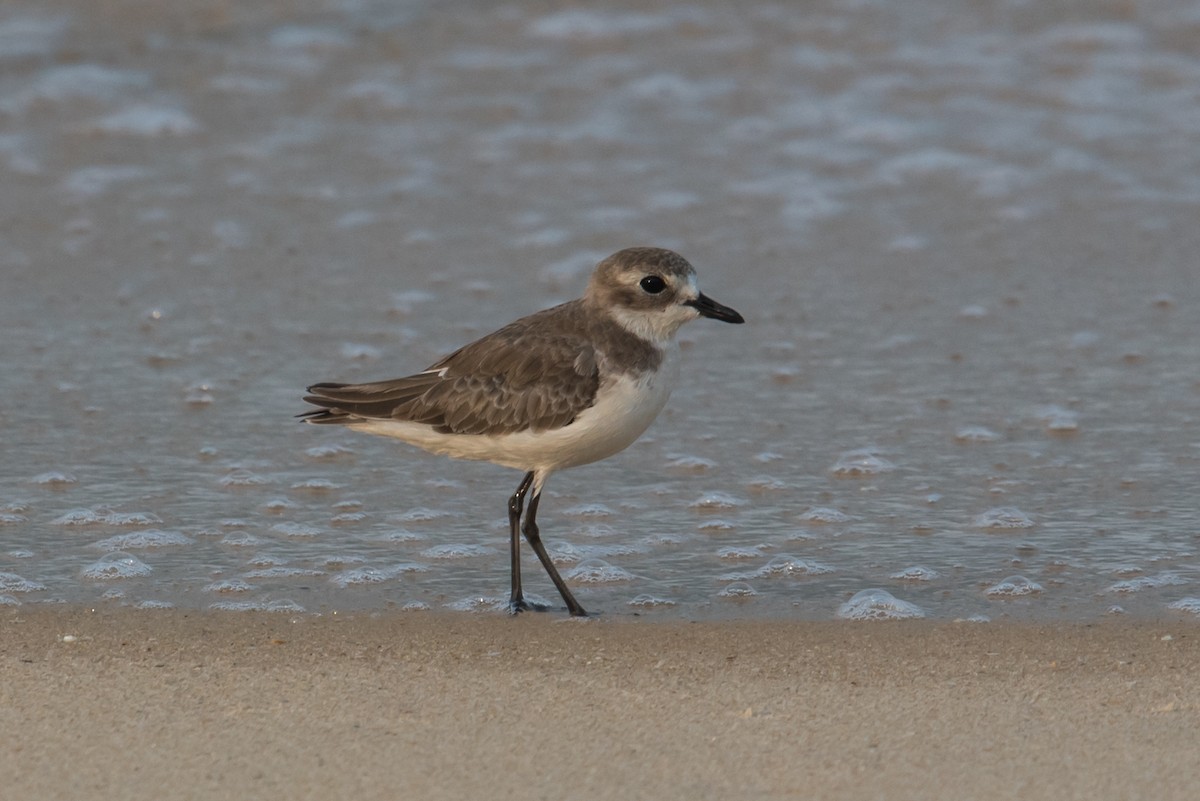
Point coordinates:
pixel 710 308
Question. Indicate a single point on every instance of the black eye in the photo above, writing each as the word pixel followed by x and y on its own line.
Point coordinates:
pixel 653 284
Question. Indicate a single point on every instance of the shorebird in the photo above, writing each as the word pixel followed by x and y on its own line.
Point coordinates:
pixel 560 388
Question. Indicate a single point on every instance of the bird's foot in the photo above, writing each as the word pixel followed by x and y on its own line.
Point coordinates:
pixel 518 605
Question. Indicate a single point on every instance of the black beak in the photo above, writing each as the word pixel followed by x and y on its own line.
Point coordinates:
pixel 710 308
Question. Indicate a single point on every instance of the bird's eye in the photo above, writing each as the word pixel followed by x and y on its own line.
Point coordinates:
pixel 653 284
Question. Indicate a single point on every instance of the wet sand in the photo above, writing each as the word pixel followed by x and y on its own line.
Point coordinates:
pixel 138 704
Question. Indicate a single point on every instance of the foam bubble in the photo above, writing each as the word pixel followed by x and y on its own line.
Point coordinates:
pixel 588 511
pixel 737 590
pixel 114 566
pixel 11 582
pixel 91 83
pixel 787 565
pixel 282 605
pixel 975 435
pixel 139 540
pixel 647 601
pixel 456 550
pixel 1003 517
pixel 265 560
pixel 297 530
pixel 686 463
pixel 421 515
pixel 147 121
pixel 399 535
pixel 595 530
pixel 1164 579
pixel 861 463
pixel 229 586
pixel 764 483
pixel 915 573
pixel 821 515
pixel 741 552
pixel 97 180
pixel 878 604
pixel 79 517
pixel 1014 587
pixel 1057 420
pixel 609 549
pixel 597 571
pixel 715 501
pixel 104 517
pixel 54 478
pixel 585 24
pixel 242 539
pixel 1190 605
pixel 329 452
pixel 360 576
pixel 242 478
pixel 359 352
pixel 564 553
pixel 480 603
pixel 132 519
pixel 283 572
pixel 199 394
pixel 334 561
pixel 403 303
pixel 316 485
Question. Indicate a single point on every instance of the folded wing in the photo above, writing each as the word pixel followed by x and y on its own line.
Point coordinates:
pixel 516 379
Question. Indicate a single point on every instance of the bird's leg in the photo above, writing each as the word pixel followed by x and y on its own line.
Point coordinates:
pixel 516 601
pixel 535 541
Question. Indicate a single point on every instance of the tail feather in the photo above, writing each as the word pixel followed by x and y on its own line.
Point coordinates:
pixel 350 403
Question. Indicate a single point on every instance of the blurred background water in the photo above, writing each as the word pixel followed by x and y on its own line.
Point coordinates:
pixel 964 236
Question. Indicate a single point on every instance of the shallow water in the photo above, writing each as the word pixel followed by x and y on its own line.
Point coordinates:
pixel 964 239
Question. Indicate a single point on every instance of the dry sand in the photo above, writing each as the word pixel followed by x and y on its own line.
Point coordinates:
pixel 172 704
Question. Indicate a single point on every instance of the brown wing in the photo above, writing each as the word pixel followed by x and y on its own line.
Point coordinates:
pixel 537 373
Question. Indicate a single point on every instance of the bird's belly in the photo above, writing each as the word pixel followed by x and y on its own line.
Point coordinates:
pixel 622 413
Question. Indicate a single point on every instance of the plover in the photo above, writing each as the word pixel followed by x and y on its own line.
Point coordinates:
pixel 560 388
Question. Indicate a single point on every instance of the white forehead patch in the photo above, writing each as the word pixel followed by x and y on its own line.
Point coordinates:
pixel 690 291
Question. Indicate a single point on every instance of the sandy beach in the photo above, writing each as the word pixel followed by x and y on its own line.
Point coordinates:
pixel 154 704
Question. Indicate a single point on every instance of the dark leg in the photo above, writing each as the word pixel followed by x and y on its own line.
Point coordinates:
pixel 516 601
pixel 535 541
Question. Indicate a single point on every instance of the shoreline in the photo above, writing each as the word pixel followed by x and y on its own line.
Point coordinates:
pixel 120 703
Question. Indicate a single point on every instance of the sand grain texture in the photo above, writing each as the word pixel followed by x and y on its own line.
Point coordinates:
pixel 184 705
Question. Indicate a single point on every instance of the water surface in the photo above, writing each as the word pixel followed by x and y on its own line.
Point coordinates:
pixel 964 239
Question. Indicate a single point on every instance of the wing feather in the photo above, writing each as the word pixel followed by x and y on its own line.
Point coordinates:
pixel 533 374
